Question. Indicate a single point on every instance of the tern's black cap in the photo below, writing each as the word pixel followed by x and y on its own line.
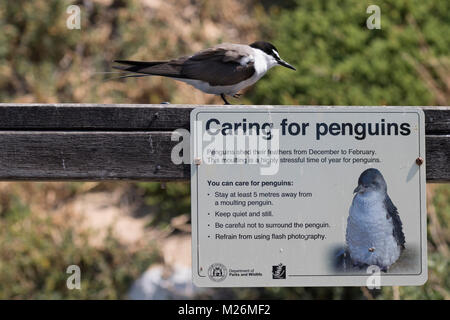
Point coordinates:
pixel 264 46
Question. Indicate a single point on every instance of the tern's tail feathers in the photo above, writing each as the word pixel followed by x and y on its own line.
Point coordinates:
pixel 158 68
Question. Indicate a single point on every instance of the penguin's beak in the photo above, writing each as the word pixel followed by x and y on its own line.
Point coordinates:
pixel 359 189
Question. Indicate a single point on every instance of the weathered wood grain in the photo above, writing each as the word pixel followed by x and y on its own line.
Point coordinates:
pixel 438 158
pixel 136 117
pixel 437 120
pixel 55 155
pixel 89 117
pixel 41 155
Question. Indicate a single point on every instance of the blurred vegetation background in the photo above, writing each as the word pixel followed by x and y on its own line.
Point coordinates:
pixel 339 62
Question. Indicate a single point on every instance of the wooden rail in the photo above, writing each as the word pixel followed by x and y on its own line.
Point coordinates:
pixel 131 142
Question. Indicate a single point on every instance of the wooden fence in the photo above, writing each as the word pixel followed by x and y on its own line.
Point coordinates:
pixel 131 142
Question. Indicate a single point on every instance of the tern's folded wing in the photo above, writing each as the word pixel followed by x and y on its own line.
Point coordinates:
pixel 218 67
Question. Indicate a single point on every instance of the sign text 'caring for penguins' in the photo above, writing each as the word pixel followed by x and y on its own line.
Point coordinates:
pixel 359 130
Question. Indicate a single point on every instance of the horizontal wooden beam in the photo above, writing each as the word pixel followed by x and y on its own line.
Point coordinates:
pixel 438 158
pixel 137 117
pixel 127 155
pixel 130 142
pixel 58 155
pixel 94 117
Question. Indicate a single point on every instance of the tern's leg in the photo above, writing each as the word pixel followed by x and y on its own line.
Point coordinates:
pixel 223 98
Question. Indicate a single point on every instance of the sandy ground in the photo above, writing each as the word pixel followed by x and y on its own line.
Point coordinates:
pixel 129 223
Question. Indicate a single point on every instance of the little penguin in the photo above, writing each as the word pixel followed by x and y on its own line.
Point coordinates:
pixel 374 233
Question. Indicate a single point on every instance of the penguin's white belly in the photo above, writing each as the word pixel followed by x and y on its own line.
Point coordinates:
pixel 369 235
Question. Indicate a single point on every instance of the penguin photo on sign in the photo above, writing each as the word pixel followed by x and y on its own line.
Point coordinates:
pixel 374 234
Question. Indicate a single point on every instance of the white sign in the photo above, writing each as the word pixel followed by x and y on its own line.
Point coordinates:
pixel 308 196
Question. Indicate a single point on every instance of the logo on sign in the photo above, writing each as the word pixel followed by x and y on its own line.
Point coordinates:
pixel 217 272
pixel 279 271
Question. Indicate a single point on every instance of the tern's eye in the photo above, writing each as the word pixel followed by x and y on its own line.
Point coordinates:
pixel 275 54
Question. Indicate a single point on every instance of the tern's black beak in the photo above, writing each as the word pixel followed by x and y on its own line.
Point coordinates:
pixel 285 64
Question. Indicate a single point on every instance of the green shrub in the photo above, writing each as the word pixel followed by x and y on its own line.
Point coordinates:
pixel 167 200
pixel 341 62
pixel 36 251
